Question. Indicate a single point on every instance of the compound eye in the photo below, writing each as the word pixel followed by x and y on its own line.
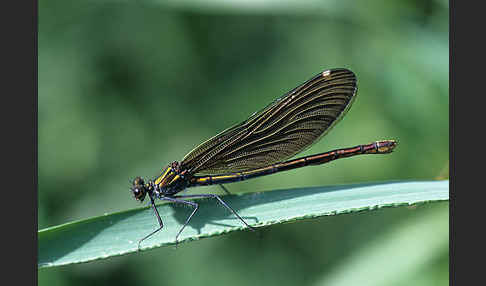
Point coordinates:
pixel 139 194
pixel 138 189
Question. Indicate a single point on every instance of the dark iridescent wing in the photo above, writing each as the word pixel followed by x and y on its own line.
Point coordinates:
pixel 284 128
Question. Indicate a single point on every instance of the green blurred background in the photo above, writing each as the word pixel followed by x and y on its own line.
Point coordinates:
pixel 125 88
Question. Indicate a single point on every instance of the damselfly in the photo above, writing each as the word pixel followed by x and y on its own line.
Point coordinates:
pixel 257 146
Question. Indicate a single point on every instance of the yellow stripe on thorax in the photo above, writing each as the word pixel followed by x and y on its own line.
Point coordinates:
pixel 176 177
pixel 163 176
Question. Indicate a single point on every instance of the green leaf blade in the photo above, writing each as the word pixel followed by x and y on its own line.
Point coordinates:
pixel 118 233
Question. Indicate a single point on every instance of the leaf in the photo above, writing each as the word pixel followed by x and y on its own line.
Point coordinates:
pixel 118 233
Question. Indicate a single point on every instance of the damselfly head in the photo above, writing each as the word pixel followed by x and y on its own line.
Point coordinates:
pixel 139 189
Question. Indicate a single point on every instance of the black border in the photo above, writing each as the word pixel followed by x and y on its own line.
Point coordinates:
pixel 19 23
pixel 35 28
